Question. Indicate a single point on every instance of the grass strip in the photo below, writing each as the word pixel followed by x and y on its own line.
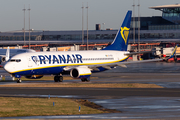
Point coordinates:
pixel 89 85
pixel 13 107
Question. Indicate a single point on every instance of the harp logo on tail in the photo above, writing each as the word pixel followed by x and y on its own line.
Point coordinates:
pixel 125 33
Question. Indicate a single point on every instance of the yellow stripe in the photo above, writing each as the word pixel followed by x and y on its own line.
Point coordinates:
pixel 72 65
pixel 86 74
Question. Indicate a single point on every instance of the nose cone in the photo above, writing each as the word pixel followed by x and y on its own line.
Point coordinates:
pixel 8 67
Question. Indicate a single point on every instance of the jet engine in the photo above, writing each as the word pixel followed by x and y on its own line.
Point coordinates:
pixel 34 76
pixel 80 72
pixel 2 59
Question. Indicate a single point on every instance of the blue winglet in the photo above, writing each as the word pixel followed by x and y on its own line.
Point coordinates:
pixel 120 42
pixel 174 51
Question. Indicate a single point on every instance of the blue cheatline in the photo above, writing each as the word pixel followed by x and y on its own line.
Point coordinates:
pixel 120 42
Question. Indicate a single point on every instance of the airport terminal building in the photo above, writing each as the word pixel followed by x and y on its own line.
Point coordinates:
pixel 155 28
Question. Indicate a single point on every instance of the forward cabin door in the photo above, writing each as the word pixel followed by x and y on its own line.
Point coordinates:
pixel 29 61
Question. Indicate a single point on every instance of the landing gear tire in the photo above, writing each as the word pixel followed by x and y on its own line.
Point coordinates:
pixel 88 80
pixel 85 79
pixel 55 78
pixel 19 81
pixel 58 78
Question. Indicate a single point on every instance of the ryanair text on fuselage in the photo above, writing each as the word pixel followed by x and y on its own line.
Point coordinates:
pixel 52 59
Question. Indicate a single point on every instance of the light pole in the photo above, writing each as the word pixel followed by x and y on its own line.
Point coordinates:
pixel 103 25
pixel 134 22
pixel 87 25
pixel 29 26
pixel 24 25
pixel 82 24
pixel 139 27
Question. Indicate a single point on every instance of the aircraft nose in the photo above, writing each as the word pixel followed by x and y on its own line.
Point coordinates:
pixel 7 67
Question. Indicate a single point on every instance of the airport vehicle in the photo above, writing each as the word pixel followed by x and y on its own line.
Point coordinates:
pixel 77 64
pixel 5 54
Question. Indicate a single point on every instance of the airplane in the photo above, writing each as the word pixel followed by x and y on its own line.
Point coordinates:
pixel 77 64
pixel 5 54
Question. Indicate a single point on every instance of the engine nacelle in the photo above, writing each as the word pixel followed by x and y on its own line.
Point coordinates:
pixel 80 72
pixel 2 59
pixel 34 76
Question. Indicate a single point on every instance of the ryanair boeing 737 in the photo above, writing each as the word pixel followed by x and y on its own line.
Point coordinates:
pixel 78 64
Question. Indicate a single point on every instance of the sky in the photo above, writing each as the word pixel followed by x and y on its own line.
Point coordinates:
pixel 67 14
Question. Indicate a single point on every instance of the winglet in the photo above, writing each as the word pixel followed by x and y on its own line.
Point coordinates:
pixel 7 54
pixel 173 53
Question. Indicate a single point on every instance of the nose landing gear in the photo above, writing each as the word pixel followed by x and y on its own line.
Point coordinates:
pixel 19 80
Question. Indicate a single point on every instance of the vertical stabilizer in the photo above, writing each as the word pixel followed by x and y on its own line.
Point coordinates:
pixel 7 54
pixel 120 42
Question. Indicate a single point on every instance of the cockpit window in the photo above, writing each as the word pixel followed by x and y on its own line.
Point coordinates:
pixel 18 60
pixel 15 60
pixel 12 60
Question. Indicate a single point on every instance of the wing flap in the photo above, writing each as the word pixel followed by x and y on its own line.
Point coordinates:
pixel 107 67
pixel 122 65
pixel 94 69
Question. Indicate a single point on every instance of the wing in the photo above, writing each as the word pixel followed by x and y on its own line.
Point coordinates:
pixel 121 64
pixel 110 65
pixel 142 52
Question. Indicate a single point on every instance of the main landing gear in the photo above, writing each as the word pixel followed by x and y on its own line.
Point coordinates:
pixel 58 78
pixel 85 79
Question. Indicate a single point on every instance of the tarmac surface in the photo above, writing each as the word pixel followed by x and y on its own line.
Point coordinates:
pixel 96 93
pixel 135 103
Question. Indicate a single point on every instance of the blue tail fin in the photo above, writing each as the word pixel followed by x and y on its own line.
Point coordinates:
pixel 120 42
pixel 174 52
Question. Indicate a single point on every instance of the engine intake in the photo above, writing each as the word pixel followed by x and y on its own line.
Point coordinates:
pixel 2 59
pixel 80 72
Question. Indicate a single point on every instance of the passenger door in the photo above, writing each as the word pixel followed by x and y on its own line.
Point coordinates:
pixel 29 61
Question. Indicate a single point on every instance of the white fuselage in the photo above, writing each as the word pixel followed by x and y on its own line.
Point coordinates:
pixel 46 60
